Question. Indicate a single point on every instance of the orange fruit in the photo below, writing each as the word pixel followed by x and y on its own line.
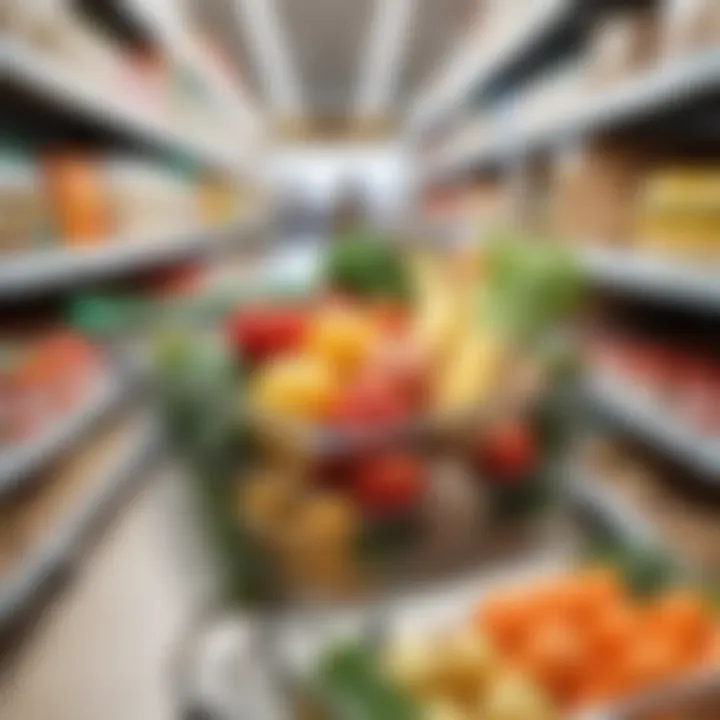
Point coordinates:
pixel 555 655
pixel 682 616
pixel 504 617
pixel 647 661
pixel 612 630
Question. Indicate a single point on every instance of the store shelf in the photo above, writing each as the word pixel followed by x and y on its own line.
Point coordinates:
pixel 655 425
pixel 28 274
pixel 481 57
pixel 18 463
pixel 180 45
pixel 656 278
pixel 669 85
pixel 31 70
pixel 63 543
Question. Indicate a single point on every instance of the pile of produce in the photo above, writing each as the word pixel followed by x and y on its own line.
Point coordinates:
pixel 392 340
pixel 586 641
pixel 326 523
pixel 392 337
pixel 532 652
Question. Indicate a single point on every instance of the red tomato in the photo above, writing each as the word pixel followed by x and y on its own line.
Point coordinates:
pixel 392 318
pixel 389 484
pixel 405 366
pixel 259 333
pixel 509 451
pixel 371 401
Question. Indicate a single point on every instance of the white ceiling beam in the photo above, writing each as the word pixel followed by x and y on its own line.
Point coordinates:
pixel 386 48
pixel 260 21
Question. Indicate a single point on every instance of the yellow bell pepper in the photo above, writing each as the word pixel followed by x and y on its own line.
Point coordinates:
pixel 297 387
pixel 342 338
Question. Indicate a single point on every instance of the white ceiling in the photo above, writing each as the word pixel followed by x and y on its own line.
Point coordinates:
pixel 323 46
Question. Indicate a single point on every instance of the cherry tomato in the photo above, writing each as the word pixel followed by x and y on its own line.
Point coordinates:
pixel 260 333
pixel 509 451
pixel 389 484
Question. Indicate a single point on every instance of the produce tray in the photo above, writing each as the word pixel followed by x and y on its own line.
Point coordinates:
pixel 233 665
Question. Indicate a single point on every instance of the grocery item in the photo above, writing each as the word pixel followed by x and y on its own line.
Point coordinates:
pixel 690 26
pixel 450 674
pixel 219 201
pixel 342 337
pixel 585 641
pixel 372 400
pixel 43 379
pixel 681 380
pixel 338 413
pixel 23 210
pixel 296 388
pixel 148 199
pixel 594 190
pixel 389 483
pixel 508 450
pixel 623 44
pixel 367 266
pixel 258 334
pixel 678 213
pixel 78 198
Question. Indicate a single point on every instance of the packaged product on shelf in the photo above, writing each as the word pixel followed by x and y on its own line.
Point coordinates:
pixel 23 210
pixel 78 198
pixel 149 199
pixel 681 381
pixel 488 205
pixel 679 213
pixel 44 376
pixel 34 22
pixel 218 200
pixel 594 193
pixel 622 45
pixel 690 26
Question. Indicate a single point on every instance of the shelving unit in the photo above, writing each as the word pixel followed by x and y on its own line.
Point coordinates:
pixel 481 57
pixel 19 462
pixel 25 275
pixel 654 424
pixel 40 74
pixel 180 122
pixel 695 287
pixel 231 97
pixel 634 99
pixel 647 117
pixel 61 545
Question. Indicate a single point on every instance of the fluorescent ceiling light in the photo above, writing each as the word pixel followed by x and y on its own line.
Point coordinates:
pixel 260 22
pixel 385 50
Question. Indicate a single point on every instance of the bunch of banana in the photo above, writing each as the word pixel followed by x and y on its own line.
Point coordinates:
pixel 467 356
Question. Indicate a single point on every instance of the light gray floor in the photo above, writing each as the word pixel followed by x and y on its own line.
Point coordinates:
pixel 105 651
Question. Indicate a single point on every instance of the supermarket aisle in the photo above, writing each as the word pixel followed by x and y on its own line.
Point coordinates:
pixel 104 651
